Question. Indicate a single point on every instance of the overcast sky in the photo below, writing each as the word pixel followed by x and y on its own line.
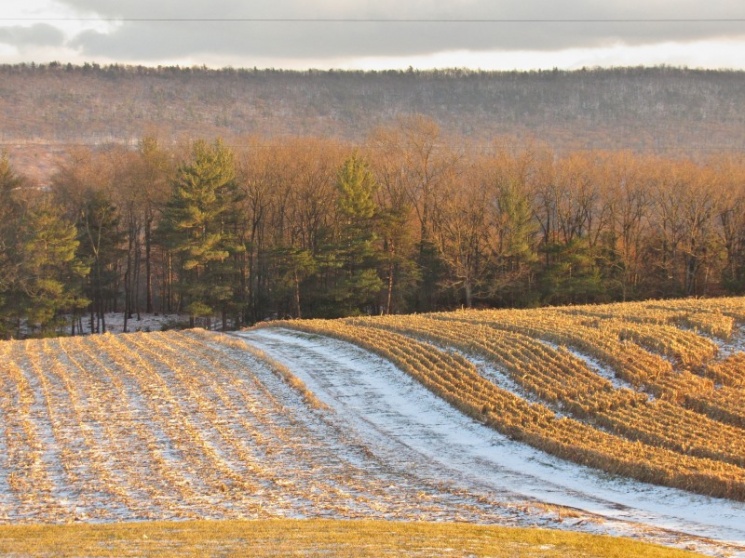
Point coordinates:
pixel 377 34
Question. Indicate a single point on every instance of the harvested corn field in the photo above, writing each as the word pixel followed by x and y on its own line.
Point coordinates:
pixel 185 426
pixel 479 417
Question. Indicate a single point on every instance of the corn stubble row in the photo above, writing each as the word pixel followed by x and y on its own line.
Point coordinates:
pixel 562 379
pixel 679 423
pixel 178 425
pixel 670 363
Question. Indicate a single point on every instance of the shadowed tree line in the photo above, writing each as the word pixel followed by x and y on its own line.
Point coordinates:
pixel 413 221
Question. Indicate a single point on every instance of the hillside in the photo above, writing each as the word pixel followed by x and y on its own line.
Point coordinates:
pixel 661 109
pixel 555 418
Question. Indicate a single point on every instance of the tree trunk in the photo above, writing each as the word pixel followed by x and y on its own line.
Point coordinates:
pixel 148 268
pixel 468 292
pixel 391 272
pixel 136 281
pixel 169 283
pixel 127 283
pixel 297 296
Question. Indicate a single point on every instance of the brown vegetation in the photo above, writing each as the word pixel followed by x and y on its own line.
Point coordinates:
pixel 411 203
pixel 674 439
pixel 189 425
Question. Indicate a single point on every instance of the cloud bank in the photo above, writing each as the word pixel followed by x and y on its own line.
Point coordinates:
pixel 221 31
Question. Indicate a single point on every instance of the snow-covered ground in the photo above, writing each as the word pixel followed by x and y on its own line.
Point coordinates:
pixel 396 417
pixel 188 425
pixel 193 425
pixel 146 322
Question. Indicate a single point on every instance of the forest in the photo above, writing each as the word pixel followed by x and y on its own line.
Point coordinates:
pixel 410 220
pixel 662 110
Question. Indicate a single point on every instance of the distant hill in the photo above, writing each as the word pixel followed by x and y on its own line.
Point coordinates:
pixel 45 108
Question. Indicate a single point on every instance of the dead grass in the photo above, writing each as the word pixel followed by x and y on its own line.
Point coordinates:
pixel 313 538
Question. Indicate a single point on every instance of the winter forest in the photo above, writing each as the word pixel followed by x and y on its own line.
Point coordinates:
pixel 410 221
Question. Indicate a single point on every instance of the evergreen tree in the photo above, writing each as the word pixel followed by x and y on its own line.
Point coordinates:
pixel 398 267
pixel 292 267
pixel 50 269
pixel 574 276
pixel 9 221
pixel 513 244
pixel 357 254
pixel 199 228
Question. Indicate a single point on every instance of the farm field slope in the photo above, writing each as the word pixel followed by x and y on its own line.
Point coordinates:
pixel 190 426
pixel 276 423
pixel 399 416
pixel 648 391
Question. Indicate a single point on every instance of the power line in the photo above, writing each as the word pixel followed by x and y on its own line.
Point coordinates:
pixel 370 20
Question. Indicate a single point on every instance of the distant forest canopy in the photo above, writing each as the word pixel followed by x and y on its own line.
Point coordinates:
pixel 669 111
pixel 406 221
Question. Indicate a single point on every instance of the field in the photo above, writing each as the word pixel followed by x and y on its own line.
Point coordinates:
pixel 623 420
pixel 348 539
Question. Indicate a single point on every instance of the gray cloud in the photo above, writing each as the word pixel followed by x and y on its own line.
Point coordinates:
pixel 40 34
pixel 148 40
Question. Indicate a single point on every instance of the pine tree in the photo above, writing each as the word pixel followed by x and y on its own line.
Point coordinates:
pixel 357 253
pixel 9 220
pixel 293 266
pixel 199 228
pixel 9 211
pixel 513 232
pixel 49 269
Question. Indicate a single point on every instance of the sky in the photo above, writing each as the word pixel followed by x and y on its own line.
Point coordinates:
pixel 377 34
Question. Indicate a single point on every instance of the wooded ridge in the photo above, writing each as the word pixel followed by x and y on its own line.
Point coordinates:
pixel 662 109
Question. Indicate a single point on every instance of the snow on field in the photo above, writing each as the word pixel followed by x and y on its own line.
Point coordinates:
pixel 187 425
pixel 397 417
pixel 179 425
pixel 145 322
pixel 735 344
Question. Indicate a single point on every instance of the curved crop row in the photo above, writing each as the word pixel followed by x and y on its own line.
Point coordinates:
pixel 711 321
pixel 603 341
pixel 729 371
pixel 458 381
pixel 621 411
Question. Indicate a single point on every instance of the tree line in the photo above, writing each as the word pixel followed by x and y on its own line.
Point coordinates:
pixel 409 221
